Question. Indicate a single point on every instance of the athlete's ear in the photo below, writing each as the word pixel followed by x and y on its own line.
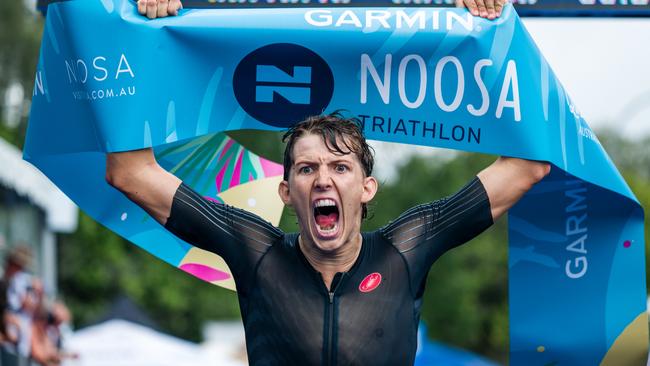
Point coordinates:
pixel 283 191
pixel 370 186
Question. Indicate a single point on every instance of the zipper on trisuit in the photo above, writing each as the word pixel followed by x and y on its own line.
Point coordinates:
pixel 330 312
pixel 330 332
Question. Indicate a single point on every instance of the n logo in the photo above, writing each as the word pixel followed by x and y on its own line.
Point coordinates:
pixel 282 84
pixel 295 88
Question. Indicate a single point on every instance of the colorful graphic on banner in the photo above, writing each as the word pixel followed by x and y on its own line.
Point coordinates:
pixel 436 77
pixel 223 171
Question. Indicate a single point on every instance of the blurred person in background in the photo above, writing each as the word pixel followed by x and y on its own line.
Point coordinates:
pixel 21 301
pixel 58 328
pixel 32 325
pixel 8 329
pixel 44 351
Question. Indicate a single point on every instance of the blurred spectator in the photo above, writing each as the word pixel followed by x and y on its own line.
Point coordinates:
pixel 32 328
pixel 43 350
pixel 59 328
pixel 20 304
pixel 7 320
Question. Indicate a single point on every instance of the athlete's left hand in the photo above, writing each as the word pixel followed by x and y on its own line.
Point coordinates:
pixel 153 9
pixel 489 9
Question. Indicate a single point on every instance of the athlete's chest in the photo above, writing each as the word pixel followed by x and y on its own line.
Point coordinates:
pixel 378 277
pixel 367 309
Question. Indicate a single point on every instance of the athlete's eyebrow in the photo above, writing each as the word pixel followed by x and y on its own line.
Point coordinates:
pixel 338 161
pixel 305 160
pixel 312 160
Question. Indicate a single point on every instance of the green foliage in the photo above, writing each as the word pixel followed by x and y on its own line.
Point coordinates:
pixel 20 37
pixel 11 135
pixel 632 158
pixel 96 266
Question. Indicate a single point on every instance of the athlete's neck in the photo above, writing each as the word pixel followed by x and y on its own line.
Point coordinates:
pixel 329 263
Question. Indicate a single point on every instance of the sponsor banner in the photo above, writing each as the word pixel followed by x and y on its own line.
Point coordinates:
pixel 111 80
pixel 553 8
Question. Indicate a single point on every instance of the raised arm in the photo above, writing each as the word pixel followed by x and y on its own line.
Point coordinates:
pixel 239 237
pixel 138 175
pixel 508 179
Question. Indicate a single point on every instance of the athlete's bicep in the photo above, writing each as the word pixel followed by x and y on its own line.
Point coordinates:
pixel 508 179
pixel 137 174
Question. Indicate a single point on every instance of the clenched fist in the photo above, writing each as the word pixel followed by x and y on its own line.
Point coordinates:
pixel 489 9
pixel 159 8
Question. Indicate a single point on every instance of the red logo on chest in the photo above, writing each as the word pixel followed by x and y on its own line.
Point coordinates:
pixel 370 282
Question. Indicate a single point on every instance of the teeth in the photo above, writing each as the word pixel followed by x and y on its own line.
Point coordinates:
pixel 325 202
pixel 328 231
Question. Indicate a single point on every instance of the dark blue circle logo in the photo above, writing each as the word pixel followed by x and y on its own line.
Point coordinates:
pixel 282 84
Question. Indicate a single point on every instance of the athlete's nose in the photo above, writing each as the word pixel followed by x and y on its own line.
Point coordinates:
pixel 323 179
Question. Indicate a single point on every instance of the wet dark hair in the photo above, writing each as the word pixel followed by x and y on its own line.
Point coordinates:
pixel 341 135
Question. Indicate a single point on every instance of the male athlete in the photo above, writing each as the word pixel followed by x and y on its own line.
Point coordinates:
pixel 328 295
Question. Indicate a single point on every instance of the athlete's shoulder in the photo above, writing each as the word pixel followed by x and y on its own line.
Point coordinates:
pixel 289 240
pixel 376 240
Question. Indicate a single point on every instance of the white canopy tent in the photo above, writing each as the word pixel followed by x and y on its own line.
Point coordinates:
pixel 26 180
pixel 39 193
pixel 121 343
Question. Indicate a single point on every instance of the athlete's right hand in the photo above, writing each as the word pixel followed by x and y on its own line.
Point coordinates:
pixel 488 9
pixel 153 9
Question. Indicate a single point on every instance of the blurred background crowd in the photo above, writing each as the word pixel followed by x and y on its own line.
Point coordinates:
pixel 33 324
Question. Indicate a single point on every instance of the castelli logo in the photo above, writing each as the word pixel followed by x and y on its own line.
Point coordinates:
pixel 370 283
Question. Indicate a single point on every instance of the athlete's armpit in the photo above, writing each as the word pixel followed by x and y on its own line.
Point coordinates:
pixel 425 232
pixel 238 236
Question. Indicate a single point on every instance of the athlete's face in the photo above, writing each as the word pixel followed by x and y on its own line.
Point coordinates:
pixel 327 191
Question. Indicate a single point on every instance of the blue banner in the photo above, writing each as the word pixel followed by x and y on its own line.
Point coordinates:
pixel 111 80
pixel 548 8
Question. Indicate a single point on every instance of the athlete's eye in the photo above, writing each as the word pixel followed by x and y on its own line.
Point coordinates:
pixel 305 170
pixel 341 168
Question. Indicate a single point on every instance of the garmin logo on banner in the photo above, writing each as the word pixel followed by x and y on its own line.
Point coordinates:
pixel 294 87
pixel 576 229
pixel 391 19
pixel 281 84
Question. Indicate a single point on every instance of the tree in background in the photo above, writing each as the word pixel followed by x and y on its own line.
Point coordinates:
pixel 96 267
pixel 20 38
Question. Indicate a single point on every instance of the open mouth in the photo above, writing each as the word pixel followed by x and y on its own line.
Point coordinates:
pixel 326 215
